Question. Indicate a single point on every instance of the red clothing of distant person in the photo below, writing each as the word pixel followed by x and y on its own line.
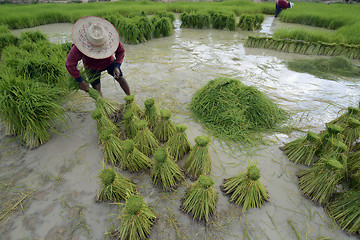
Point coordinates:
pixel 283 4
pixel 75 56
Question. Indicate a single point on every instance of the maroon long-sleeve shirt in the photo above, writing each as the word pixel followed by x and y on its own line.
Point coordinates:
pixel 75 56
pixel 283 4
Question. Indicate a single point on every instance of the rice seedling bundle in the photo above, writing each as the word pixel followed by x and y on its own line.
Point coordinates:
pixel 164 170
pixel 195 20
pixel 319 182
pixel 132 159
pixel 250 22
pixel 114 187
pixel 234 111
pixel 163 27
pixel 112 146
pixel 136 220
pixel 199 162
pixel 352 112
pixel 152 113
pixel 106 106
pixel 165 127
pixel 129 122
pixel 179 144
pixel 333 131
pixel 246 188
pixel 200 199
pixel 221 20
pixel 104 122
pixel 6 39
pixel 33 36
pixel 131 105
pixel 30 110
pixel 351 132
pixel 302 150
pixel 345 210
pixel 144 139
pixel 354 169
pixel 132 29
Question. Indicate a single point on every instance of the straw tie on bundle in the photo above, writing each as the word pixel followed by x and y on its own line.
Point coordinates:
pixel 131 105
pixel 145 140
pixel 198 162
pixel 107 106
pixel 111 146
pixel 136 220
pixel 246 188
pixel 132 159
pixel 103 122
pixel 345 209
pixel 165 128
pixel 319 182
pixel 332 131
pixel 165 171
pixel 179 144
pixel 302 150
pixel 114 187
pixel 129 122
pixel 152 113
pixel 200 199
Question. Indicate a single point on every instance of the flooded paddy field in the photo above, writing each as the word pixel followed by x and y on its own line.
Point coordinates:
pixel 49 192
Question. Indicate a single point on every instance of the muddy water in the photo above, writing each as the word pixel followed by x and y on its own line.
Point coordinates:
pixel 55 185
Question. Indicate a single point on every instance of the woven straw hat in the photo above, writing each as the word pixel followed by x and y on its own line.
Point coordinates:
pixel 95 37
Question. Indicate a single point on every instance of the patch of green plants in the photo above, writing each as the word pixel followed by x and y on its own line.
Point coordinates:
pixel 231 110
pixel 223 20
pixel 328 68
pixel 195 20
pixel 251 22
pixel 163 26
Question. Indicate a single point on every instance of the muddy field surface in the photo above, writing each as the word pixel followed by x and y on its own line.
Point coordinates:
pixel 49 192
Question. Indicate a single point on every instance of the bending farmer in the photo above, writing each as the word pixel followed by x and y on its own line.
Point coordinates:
pixel 95 40
pixel 282 5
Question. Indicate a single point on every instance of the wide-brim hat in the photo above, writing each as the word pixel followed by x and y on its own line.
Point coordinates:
pixel 95 37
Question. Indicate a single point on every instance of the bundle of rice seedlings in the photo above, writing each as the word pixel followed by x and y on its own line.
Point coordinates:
pixel 104 122
pixel 319 182
pixel 351 132
pixel 129 122
pixel 152 113
pixel 131 105
pixel 132 159
pixel 246 188
pixel 165 127
pixel 354 169
pixel 111 146
pixel 107 106
pixel 352 112
pixel 179 144
pixel 165 171
pixel 163 26
pixel 345 209
pixel 136 220
pixel 302 150
pixel 200 199
pixel 144 139
pixel 333 131
pixel 198 162
pixel 114 187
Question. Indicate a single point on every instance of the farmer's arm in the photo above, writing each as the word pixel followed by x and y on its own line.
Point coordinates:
pixel 72 60
pixel 119 57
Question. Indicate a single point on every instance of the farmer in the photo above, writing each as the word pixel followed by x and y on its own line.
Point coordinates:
pixel 95 40
pixel 282 4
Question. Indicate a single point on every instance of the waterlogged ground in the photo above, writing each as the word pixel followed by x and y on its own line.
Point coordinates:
pixel 48 192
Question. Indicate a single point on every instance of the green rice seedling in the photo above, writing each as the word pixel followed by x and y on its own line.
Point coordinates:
pixel 333 131
pixel 33 36
pixel 199 162
pixel 236 112
pixel 131 105
pixel 104 122
pixel 352 112
pixel 163 27
pixel 144 139
pixel 195 20
pixel 302 150
pixel 112 147
pixel 129 122
pixel 246 188
pixel 106 106
pixel 152 113
pixel 345 210
pixel 179 144
pixel 319 182
pixel 7 39
pixel 200 199
pixel 132 159
pixel 351 132
pixel 114 187
pixel 165 171
pixel 136 220
pixel 165 127
pixel 354 169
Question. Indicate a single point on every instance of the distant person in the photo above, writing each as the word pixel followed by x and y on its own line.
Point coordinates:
pixel 282 5
pixel 95 40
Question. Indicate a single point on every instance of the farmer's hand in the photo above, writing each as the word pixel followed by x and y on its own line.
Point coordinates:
pixel 84 86
pixel 116 73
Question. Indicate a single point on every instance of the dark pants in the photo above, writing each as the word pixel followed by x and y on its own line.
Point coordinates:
pixel 94 75
pixel 277 10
